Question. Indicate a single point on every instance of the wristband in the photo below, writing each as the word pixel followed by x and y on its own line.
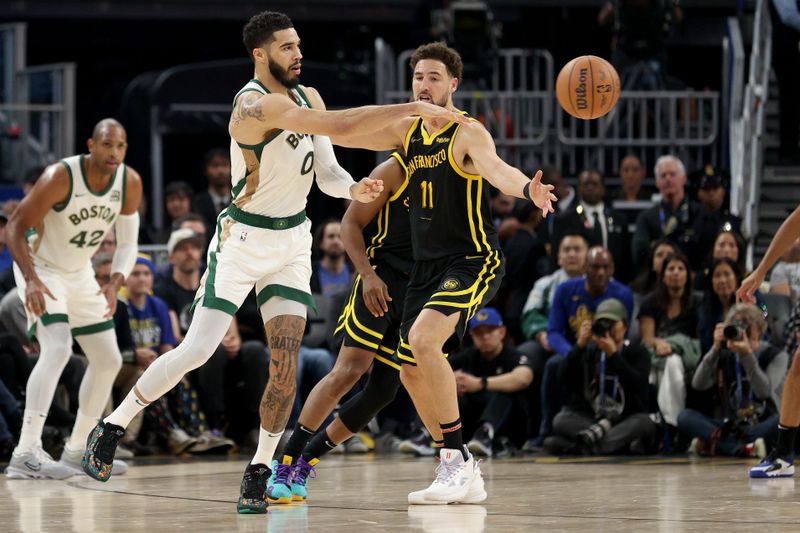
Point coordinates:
pixel 485 383
pixel 526 191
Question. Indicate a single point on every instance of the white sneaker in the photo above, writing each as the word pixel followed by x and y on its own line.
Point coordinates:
pixel 475 494
pixel 356 444
pixel 72 459
pixel 36 464
pixel 454 476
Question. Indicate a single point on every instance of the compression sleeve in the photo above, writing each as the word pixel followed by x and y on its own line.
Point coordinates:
pixel 127 228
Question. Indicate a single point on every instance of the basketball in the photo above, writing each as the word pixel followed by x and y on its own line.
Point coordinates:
pixel 587 87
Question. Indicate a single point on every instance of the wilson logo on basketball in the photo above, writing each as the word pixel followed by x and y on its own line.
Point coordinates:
pixel 580 90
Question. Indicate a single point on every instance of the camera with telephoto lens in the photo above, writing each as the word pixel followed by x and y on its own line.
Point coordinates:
pixel 735 331
pixel 602 326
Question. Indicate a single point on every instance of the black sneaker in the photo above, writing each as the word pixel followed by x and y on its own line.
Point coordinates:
pixel 98 459
pixel 253 493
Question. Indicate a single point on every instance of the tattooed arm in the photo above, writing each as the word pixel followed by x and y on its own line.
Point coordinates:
pixel 254 115
pixel 284 334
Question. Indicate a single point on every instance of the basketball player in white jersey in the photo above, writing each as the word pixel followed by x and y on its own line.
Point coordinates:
pixel 52 236
pixel 279 142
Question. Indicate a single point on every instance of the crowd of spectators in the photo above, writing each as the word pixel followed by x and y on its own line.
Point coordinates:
pixel 608 336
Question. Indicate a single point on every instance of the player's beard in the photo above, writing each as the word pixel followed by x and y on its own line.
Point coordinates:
pixel 282 75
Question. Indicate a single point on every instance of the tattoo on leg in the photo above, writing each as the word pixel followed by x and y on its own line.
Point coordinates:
pixel 284 334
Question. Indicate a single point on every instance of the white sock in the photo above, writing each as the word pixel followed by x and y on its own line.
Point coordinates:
pixel 122 415
pixel 80 431
pixel 267 444
pixel 31 434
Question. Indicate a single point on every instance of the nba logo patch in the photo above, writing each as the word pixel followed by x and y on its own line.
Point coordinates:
pixel 243 236
pixel 114 196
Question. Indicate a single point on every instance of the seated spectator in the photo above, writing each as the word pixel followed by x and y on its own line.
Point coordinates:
pixel 575 302
pixel 502 206
pixel 724 277
pixel 526 262
pixel 714 214
pixel 604 226
pixel 566 196
pixel 727 243
pixel 178 204
pixel 668 327
pixel 10 422
pixel 672 218
pixel 572 259
pixel 747 376
pixel 645 282
pixel 606 377
pixel 785 277
pixel 491 380
pixel 152 332
pixel 631 176
pixel 670 308
pixel 331 274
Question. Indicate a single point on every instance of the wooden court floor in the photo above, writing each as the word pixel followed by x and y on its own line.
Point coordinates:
pixel 368 494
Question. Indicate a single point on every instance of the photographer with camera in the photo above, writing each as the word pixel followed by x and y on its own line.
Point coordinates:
pixel 606 376
pixel 747 374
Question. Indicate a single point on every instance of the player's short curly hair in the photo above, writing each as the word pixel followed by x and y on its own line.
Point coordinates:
pixel 260 27
pixel 440 52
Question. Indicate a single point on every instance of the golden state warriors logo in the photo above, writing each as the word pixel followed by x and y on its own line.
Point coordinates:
pixel 452 284
pixel 481 316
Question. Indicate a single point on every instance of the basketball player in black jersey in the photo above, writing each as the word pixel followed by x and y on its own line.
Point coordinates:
pixel 368 328
pixel 458 264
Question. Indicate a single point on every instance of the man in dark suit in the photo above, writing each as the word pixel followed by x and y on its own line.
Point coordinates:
pixel 602 225
pixel 209 203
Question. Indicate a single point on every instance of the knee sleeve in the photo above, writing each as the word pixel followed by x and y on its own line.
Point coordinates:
pixel 105 361
pixel 379 392
pixel 277 306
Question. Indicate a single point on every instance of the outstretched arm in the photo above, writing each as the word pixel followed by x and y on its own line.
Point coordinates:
pixel 784 237
pixel 256 114
pixel 479 151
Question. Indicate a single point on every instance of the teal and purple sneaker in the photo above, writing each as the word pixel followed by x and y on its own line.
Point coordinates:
pixel 279 486
pixel 98 459
pixel 253 492
pixel 302 472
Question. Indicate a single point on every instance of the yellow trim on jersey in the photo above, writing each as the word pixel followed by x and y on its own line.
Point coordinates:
pixel 478 197
pixel 492 275
pixel 350 312
pixel 428 139
pixel 346 311
pixel 474 288
pixel 383 215
pixel 359 339
pixel 452 159
pixel 385 361
pixel 472 231
pixel 409 132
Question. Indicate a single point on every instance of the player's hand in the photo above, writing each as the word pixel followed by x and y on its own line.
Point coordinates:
pixel 35 292
pixel 376 294
pixel 366 190
pixel 541 194
pixel 110 292
pixel 439 113
pixel 747 292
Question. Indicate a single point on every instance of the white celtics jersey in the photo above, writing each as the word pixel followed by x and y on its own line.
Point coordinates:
pixel 273 178
pixel 72 231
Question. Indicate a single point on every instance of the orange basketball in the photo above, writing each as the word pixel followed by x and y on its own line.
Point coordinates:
pixel 587 87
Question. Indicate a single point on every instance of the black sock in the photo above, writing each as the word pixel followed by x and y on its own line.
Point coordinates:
pixel 300 437
pixel 785 446
pixel 453 438
pixel 318 447
pixel 438 443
